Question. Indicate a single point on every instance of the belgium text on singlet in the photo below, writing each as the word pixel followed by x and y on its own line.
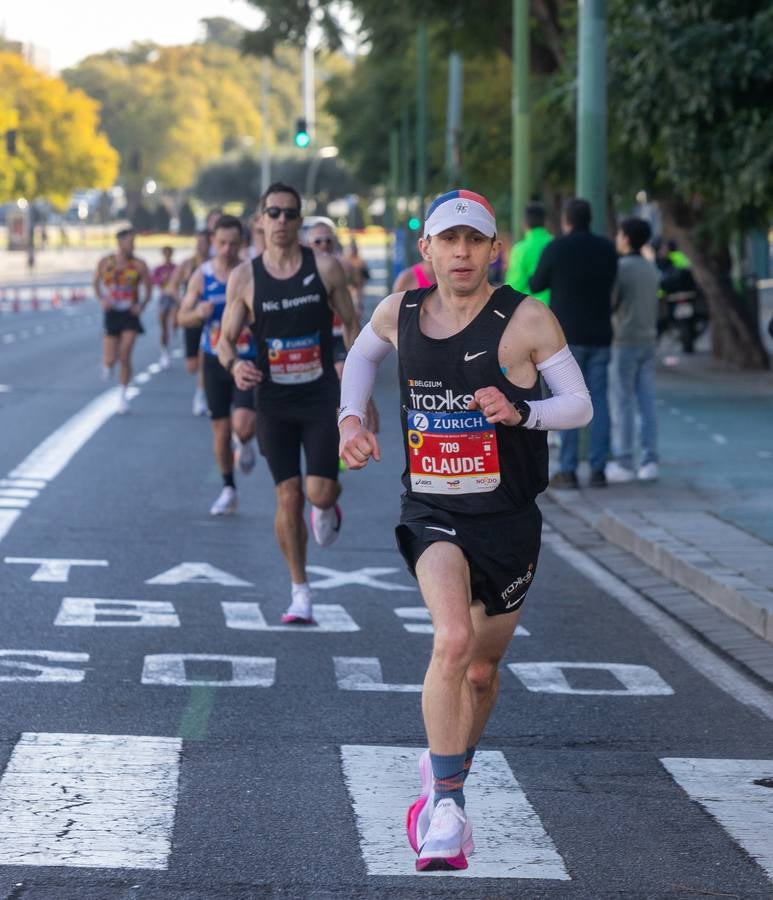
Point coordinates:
pixel 293 333
pixel 455 460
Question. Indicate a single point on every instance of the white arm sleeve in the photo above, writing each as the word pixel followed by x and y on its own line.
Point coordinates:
pixel 360 372
pixel 570 406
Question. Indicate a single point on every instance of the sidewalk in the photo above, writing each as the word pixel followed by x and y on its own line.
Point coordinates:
pixel 707 524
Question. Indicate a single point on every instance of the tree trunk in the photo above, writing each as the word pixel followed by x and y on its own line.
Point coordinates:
pixel 735 338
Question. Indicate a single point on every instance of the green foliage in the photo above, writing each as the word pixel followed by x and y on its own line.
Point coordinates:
pixel 171 111
pixel 59 146
pixel 690 92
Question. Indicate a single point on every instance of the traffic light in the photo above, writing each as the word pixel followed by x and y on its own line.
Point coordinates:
pixel 414 223
pixel 302 136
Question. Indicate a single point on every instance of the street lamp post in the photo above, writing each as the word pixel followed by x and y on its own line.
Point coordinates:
pixel 316 162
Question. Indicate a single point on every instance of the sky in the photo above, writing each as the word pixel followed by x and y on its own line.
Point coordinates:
pixel 72 29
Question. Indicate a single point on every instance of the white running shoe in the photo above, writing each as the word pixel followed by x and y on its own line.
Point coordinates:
pixel 299 611
pixel 617 474
pixel 199 403
pixel 325 524
pixel 447 837
pixel 226 503
pixel 164 361
pixel 245 456
pixel 419 812
pixel 123 405
pixel 649 472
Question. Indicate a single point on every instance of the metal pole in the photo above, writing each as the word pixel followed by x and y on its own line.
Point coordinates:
pixel 309 106
pixel 592 111
pixel 453 118
pixel 392 190
pixel 521 118
pixel 265 155
pixel 422 78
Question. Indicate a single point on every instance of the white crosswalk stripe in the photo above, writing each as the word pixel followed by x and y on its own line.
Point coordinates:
pixel 510 841
pixel 738 793
pixel 98 800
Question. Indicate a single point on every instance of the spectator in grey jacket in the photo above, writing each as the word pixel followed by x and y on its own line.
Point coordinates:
pixel 632 363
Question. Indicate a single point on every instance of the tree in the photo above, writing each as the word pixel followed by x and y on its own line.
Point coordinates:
pixel 690 88
pixel 59 146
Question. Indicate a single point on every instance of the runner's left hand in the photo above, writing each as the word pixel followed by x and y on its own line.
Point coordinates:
pixel 495 406
pixel 246 375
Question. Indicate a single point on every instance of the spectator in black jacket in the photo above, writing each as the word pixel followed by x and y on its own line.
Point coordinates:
pixel 579 269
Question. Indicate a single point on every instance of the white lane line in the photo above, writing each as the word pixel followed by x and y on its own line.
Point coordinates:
pixel 9 338
pixel 764 454
pixel 7 518
pixel 719 438
pixel 26 493
pixel 22 483
pixel 51 456
pixel 510 841
pixel 92 612
pixel 671 632
pixel 198 573
pixel 13 503
pixel 728 790
pixel 97 800
pixel 330 618
pixel 177 353
pixel 154 368
pixel 549 678
pixel 142 378
pixel 5 388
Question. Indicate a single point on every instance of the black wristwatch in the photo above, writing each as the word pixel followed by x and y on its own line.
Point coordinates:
pixel 525 411
pixel 229 366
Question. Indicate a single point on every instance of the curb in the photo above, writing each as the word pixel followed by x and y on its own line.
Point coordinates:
pixel 752 608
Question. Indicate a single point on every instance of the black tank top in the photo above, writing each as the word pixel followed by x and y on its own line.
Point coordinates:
pixel 293 336
pixel 455 460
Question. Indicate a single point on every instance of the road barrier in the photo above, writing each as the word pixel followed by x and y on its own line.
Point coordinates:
pixel 38 297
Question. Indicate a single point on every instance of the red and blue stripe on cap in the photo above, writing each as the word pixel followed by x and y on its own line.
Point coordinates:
pixel 458 195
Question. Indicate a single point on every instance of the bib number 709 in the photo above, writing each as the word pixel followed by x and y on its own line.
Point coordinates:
pixel 449 446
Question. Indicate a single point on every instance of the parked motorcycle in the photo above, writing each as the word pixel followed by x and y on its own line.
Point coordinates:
pixel 683 308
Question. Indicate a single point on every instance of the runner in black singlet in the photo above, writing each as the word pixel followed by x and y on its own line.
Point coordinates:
pixel 474 431
pixel 289 298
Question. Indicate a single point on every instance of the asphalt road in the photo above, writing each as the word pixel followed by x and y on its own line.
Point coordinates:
pixel 160 736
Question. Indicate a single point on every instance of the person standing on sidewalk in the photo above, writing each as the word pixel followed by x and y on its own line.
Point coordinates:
pixel 632 366
pixel 526 253
pixel 473 425
pixel 118 281
pixel 579 269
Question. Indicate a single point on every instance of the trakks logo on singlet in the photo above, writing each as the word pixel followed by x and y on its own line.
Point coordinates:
pixel 437 401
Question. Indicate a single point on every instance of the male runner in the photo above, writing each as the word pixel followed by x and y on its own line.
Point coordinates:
pixel 192 336
pixel 167 302
pixel 474 428
pixel 117 282
pixel 290 296
pixel 322 240
pixel 231 409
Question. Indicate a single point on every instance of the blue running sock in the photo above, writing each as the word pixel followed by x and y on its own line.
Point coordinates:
pixel 468 760
pixel 448 772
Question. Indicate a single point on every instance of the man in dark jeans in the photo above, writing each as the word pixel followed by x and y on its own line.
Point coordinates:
pixel 579 269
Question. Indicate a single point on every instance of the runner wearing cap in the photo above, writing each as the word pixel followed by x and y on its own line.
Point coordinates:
pixel 474 430
pixel 118 281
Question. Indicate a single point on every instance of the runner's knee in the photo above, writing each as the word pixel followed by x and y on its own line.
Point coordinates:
pixel 453 646
pixel 289 497
pixel 482 675
pixel 322 492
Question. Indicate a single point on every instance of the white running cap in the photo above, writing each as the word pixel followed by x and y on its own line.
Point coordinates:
pixel 460 208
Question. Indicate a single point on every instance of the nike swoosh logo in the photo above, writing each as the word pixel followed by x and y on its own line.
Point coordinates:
pixel 451 531
pixel 468 357
pixel 308 279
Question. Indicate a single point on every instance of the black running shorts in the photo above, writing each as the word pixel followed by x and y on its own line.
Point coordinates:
pixel 281 434
pixel 192 341
pixel 501 550
pixel 221 391
pixel 118 320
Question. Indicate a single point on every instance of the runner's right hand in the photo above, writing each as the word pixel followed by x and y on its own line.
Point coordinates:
pixel 357 444
pixel 246 374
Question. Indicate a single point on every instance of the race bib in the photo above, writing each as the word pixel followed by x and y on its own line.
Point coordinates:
pixel 296 360
pixel 452 453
